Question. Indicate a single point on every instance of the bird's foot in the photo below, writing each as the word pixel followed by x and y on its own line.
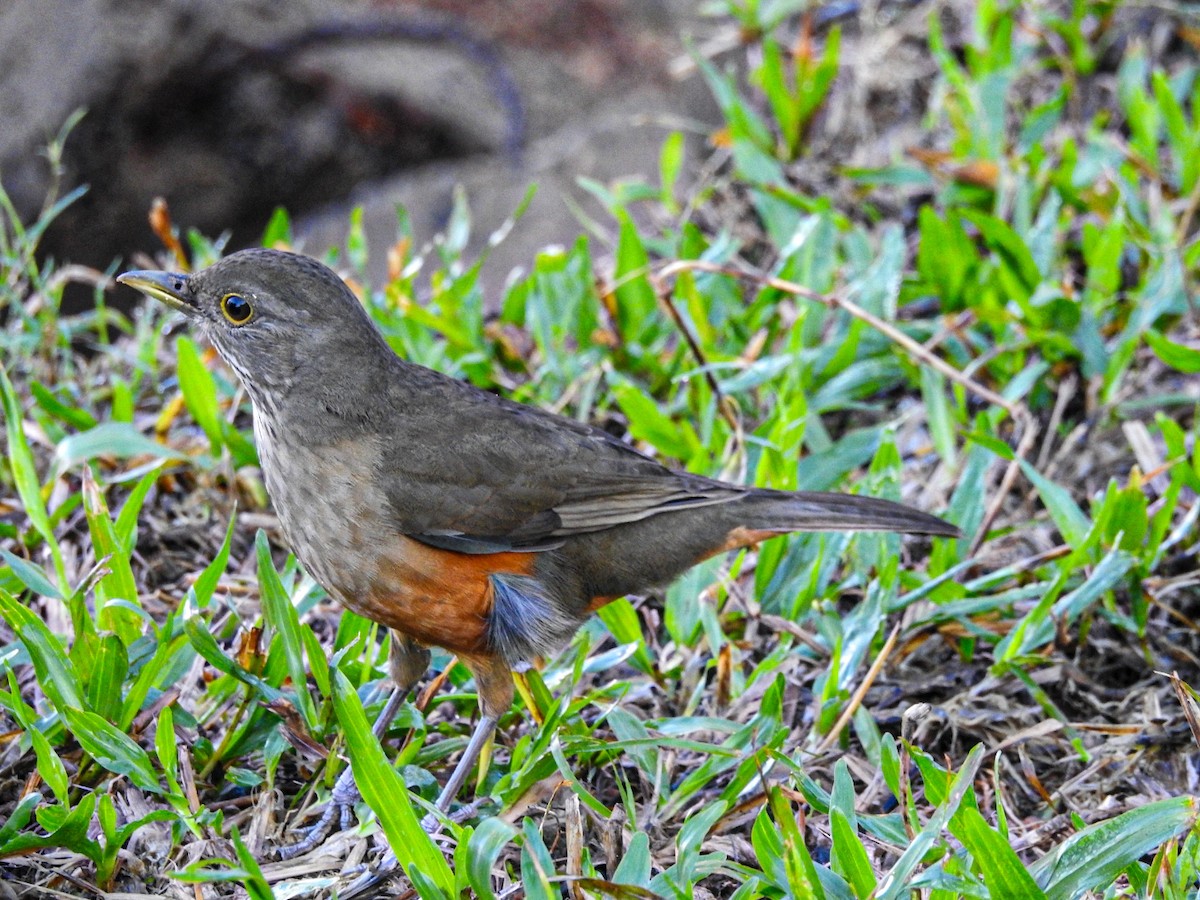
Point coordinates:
pixel 432 824
pixel 339 812
pixel 370 879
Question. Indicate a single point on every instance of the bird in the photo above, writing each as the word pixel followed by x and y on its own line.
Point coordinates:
pixel 451 515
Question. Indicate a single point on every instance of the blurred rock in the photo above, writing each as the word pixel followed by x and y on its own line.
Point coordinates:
pixel 214 105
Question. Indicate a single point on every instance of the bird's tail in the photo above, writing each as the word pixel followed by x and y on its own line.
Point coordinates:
pixel 783 511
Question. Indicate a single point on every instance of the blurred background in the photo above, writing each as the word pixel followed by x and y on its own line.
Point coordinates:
pixel 230 109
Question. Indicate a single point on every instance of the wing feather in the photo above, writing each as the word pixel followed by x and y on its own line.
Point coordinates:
pixel 512 477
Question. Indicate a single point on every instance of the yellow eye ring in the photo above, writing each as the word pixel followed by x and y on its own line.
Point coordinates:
pixel 236 309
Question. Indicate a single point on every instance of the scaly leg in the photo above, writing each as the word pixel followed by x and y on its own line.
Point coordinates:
pixel 407 662
pixel 493 681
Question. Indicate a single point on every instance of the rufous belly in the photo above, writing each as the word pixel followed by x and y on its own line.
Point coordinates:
pixel 435 596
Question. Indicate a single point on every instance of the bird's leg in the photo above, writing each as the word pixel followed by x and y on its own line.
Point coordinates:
pixel 493 682
pixel 483 731
pixel 407 662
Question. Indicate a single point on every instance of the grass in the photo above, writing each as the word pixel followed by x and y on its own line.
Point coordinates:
pixel 997 324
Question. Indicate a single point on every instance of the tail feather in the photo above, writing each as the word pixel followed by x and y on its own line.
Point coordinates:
pixel 783 511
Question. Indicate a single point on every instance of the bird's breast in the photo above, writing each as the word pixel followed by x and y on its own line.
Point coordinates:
pixel 337 521
pixel 323 493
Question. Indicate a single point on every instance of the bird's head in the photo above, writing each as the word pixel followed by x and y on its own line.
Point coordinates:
pixel 271 315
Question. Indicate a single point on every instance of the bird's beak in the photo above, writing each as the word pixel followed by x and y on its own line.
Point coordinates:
pixel 169 287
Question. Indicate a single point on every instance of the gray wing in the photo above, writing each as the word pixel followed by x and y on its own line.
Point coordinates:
pixel 480 474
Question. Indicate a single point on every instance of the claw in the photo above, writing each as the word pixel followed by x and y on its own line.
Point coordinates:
pixel 373 878
pixel 345 791
pixel 340 806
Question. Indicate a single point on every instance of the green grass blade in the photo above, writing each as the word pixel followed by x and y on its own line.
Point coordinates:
pixel 119 582
pixel 119 439
pixel 894 882
pixel 24 472
pixel 195 626
pixel 31 575
pixel 486 844
pixel 55 674
pixel 79 419
pixel 1003 873
pixel 1068 517
pixel 71 832
pixel 281 615
pixel 537 865
pixel 1093 858
pixel 385 792
pixel 113 749
pixel 125 526
pixel 848 856
pixel 635 299
pixel 207 582
pixel 801 872
pixel 635 866
pixel 255 882
pixel 105 679
pixel 199 390
pixel 50 767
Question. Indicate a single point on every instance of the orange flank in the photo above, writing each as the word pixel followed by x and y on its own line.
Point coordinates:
pixel 437 597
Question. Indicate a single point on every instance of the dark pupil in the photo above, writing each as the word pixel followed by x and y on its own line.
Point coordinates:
pixel 237 308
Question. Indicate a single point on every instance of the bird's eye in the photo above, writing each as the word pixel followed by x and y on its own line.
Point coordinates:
pixel 237 309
